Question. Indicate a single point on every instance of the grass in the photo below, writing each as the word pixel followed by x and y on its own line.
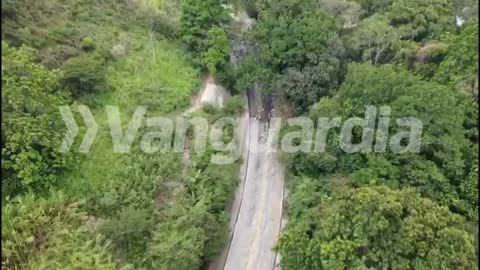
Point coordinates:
pixel 157 75
pixel 156 72
pixel 57 27
pixel 164 84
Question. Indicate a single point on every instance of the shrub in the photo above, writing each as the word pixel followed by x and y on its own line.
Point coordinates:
pixel 164 25
pixel 56 55
pixel 32 128
pixel 184 240
pixel 28 222
pixel 234 105
pixel 83 75
pixel 176 245
pixel 88 44
pixel 76 249
pixel 137 184
pixel 217 54
pixel 129 230
pixel 9 8
pixel 210 109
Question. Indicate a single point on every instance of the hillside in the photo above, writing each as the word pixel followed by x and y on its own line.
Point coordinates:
pixel 240 134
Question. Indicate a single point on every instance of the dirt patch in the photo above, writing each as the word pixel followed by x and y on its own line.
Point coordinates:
pixel 211 93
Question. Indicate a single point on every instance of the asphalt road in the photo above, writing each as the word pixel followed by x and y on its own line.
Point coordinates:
pixel 257 226
pixel 256 212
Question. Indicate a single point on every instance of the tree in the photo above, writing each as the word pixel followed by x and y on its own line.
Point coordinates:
pixel 418 20
pixel 295 38
pixel 460 68
pixel 370 7
pixel 437 171
pixel 218 50
pixel 393 33
pixel 347 13
pixel 32 127
pixel 469 187
pixel 429 58
pixel 376 41
pixel 373 40
pixel 408 95
pixel 378 228
pixel 300 51
pixel 197 18
pixel 304 86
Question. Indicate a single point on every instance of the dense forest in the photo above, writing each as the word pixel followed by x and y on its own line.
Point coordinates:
pixel 318 58
pixel 380 210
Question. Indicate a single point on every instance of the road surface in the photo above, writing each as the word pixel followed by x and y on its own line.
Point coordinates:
pixel 256 212
pixel 259 219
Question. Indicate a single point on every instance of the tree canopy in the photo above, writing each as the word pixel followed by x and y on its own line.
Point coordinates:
pixel 460 68
pixel 218 49
pixel 197 18
pixel 380 228
pixel 417 20
pixel 301 55
pixel 32 128
pixel 436 171
pixel 376 208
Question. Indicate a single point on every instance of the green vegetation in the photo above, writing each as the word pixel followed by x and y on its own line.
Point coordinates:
pixel 151 77
pixel 83 75
pixel 374 210
pixel 39 233
pixel 417 20
pixel 300 51
pixel 460 68
pixel 217 54
pixel 197 18
pixel 166 210
pixel 88 43
pixel 30 130
pixel 104 210
pixel 202 26
pixel 374 227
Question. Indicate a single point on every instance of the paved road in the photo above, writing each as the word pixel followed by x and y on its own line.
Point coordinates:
pixel 256 213
pixel 259 219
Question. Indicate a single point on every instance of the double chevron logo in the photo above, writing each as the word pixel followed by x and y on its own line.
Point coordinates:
pixel 72 129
